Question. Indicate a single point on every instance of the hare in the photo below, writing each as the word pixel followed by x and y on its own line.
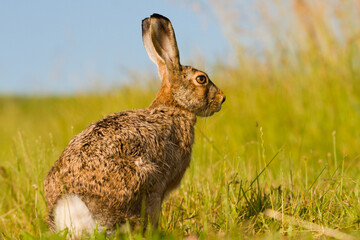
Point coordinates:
pixel 120 168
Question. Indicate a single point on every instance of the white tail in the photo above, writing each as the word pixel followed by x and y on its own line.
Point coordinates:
pixel 72 213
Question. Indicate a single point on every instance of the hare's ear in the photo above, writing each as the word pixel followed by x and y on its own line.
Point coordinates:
pixel 160 42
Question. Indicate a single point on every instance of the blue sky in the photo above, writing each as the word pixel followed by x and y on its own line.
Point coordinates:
pixel 56 47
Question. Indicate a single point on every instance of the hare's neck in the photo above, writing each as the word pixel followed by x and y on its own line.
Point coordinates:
pixel 165 99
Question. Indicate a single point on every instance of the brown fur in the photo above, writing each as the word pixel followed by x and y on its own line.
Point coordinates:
pixel 135 158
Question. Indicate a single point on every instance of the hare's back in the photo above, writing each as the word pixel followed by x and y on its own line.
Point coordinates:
pixel 123 132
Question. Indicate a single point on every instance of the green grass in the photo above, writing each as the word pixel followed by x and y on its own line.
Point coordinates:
pixel 287 138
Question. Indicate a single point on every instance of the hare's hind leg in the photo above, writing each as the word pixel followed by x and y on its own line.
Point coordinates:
pixel 71 212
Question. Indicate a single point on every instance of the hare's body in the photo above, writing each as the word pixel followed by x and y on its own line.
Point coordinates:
pixel 123 159
pixel 124 165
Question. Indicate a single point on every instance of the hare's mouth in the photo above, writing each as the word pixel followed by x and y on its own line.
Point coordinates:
pixel 218 104
pixel 218 108
pixel 213 108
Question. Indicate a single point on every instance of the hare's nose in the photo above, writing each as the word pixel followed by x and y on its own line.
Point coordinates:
pixel 223 100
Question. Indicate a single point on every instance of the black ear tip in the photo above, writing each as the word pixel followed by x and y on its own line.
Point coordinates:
pixel 145 22
pixel 156 15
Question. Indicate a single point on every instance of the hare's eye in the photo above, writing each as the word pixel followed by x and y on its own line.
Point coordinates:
pixel 201 79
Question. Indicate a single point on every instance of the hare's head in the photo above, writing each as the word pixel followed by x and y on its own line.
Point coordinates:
pixel 182 86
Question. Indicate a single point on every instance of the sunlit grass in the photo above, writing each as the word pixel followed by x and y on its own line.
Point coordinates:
pixel 287 138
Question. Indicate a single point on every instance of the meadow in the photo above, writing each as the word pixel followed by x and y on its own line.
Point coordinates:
pixel 287 139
